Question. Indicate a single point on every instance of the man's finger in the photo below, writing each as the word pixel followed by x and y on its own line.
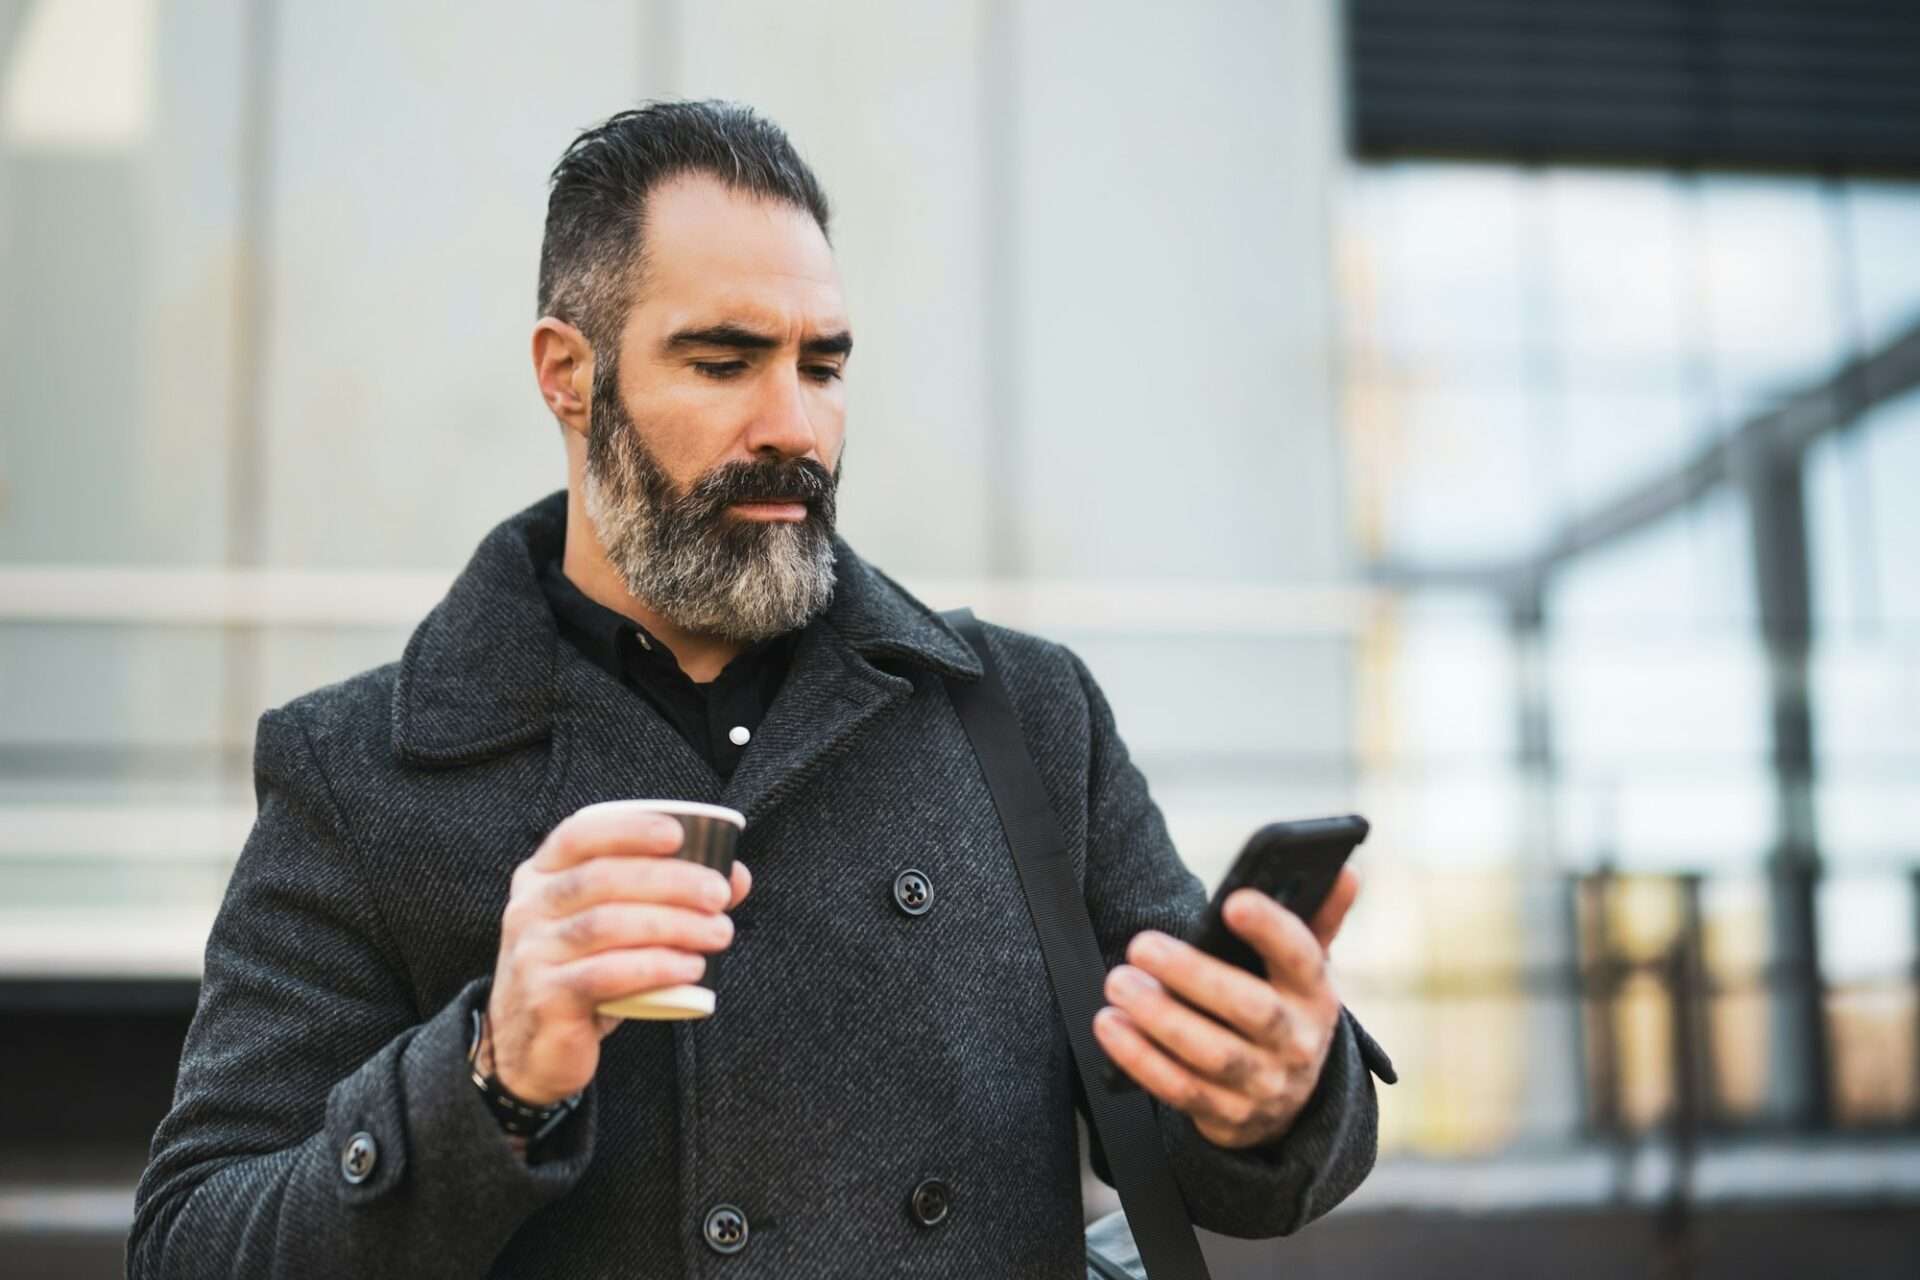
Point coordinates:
pixel 1293 956
pixel 742 884
pixel 611 827
pixel 1198 1042
pixel 1327 920
pixel 1240 999
pixel 665 880
pixel 1163 1077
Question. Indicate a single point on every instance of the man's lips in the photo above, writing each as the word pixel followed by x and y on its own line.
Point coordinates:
pixel 775 509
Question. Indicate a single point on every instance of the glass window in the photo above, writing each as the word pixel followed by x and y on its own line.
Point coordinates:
pixel 1460 469
pixel 1435 257
pixel 1437 732
pixel 1774 316
pixel 1884 270
pixel 1737 945
pixel 1865 670
pixel 1616 260
pixel 1621 323
pixel 1867 954
pixel 1659 693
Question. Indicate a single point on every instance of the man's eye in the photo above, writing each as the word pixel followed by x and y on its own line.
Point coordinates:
pixel 720 368
pixel 823 372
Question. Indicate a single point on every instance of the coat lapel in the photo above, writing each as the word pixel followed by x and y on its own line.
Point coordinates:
pixel 831 691
pixel 610 744
pixel 487 672
pixel 835 689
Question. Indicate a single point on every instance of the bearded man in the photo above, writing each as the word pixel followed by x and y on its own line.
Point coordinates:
pixel 397 1067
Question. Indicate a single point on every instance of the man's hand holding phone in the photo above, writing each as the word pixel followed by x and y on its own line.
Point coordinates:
pixel 1239 1053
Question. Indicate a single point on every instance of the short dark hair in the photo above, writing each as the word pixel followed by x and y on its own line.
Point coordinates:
pixel 596 209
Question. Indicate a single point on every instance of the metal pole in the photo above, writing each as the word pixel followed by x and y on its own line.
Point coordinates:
pixel 1682 971
pixel 1776 503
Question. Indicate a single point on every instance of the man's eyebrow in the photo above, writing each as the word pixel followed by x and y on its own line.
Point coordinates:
pixel 721 335
pixel 741 338
pixel 833 344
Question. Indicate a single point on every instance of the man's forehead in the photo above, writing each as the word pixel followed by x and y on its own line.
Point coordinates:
pixel 718 257
pixel 695 223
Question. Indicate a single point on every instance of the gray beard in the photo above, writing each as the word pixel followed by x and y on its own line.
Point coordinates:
pixel 703 569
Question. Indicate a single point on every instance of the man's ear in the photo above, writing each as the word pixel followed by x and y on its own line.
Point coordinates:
pixel 563 366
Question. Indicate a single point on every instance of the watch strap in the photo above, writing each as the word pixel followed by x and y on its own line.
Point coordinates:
pixel 517 1118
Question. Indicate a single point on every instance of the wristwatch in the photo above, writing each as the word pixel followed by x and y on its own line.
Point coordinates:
pixel 519 1119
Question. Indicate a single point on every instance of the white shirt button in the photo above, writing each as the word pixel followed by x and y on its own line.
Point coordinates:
pixel 738 735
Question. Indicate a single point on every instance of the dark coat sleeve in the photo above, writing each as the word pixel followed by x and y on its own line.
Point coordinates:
pixel 1135 881
pixel 305 1035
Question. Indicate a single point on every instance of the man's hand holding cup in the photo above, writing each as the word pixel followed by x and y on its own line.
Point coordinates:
pixel 612 906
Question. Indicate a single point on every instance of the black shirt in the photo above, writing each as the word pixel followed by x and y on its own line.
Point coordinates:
pixel 719 718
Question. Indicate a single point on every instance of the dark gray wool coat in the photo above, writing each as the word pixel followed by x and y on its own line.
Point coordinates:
pixel 857 1049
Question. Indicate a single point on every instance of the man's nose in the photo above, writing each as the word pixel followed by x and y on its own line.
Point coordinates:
pixel 780 421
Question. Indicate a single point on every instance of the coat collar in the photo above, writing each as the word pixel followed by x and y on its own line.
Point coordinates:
pixel 480 673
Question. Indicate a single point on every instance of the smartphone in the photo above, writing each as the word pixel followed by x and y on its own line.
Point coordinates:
pixel 1294 863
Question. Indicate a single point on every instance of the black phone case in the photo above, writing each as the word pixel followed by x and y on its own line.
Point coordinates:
pixel 1295 863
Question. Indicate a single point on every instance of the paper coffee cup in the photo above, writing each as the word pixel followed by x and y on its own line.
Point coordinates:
pixel 711 833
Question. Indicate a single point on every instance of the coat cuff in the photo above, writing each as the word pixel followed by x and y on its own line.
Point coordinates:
pixel 1276 1189
pixel 436 1148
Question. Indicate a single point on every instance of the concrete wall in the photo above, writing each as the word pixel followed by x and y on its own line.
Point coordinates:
pixel 1086 249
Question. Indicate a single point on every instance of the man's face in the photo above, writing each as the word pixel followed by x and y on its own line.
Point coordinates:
pixel 727 389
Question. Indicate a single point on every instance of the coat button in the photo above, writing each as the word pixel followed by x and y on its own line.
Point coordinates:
pixel 357 1161
pixel 726 1229
pixel 913 892
pixel 930 1202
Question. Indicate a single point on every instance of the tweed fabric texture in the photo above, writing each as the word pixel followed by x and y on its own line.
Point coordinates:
pixel 856 1050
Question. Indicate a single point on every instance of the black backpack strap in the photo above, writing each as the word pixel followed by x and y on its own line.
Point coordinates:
pixel 1124 1120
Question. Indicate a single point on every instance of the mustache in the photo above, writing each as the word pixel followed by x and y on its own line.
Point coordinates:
pixel 801 479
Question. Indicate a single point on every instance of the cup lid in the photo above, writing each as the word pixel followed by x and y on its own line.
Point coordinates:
pixel 691 808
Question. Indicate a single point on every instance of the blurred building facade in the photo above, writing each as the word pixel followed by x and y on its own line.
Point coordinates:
pixel 1545 505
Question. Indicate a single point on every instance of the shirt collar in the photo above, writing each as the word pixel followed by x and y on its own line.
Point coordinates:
pixel 612 639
